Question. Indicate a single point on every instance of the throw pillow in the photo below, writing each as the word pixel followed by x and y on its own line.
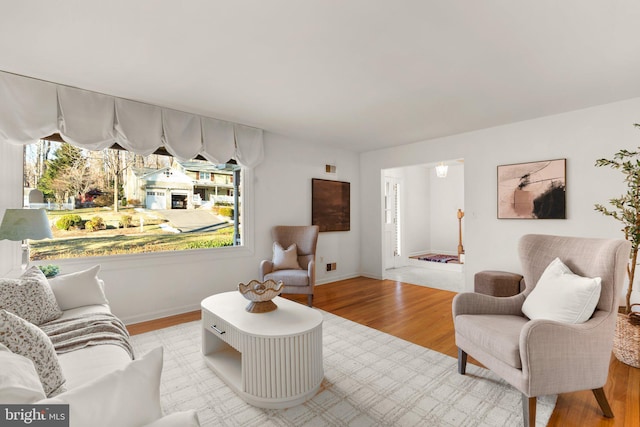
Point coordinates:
pixel 26 339
pixel 78 289
pixel 128 397
pixel 177 419
pixel 29 297
pixel 285 259
pixel 19 381
pixel 562 296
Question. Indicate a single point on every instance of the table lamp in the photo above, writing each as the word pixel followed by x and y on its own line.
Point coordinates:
pixel 23 224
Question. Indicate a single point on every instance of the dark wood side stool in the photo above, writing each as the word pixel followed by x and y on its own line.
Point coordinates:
pixel 498 283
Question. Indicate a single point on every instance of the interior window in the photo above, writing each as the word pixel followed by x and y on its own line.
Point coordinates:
pixel 114 202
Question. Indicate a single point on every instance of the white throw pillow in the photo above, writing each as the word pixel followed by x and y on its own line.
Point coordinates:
pixel 177 419
pixel 128 397
pixel 285 259
pixel 19 381
pixel 26 339
pixel 78 289
pixel 562 296
pixel 29 297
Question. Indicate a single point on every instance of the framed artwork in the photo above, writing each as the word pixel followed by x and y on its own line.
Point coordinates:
pixel 331 205
pixel 534 190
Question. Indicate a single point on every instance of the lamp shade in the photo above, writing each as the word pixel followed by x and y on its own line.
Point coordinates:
pixel 23 224
pixel 441 170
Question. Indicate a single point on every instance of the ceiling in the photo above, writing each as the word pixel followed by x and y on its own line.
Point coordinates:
pixel 357 74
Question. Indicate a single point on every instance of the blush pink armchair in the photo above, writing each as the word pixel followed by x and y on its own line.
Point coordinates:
pixel 295 281
pixel 542 357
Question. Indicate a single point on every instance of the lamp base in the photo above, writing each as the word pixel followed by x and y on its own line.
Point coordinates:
pixel 25 255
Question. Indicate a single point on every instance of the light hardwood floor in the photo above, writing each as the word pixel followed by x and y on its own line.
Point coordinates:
pixel 423 316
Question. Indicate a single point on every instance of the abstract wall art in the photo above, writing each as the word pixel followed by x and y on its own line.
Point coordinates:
pixel 534 190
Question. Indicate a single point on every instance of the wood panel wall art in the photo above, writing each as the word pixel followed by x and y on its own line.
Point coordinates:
pixel 331 205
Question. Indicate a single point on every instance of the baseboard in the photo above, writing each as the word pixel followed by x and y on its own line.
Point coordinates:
pixel 331 279
pixel 372 276
pixel 160 314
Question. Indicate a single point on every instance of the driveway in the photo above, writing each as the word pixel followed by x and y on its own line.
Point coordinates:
pixel 192 220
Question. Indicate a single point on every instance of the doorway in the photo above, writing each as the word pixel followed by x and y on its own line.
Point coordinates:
pixel 420 216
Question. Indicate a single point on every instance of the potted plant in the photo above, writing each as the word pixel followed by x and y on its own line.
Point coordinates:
pixel 626 209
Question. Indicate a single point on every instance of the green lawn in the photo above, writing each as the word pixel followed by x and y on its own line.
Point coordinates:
pixel 117 241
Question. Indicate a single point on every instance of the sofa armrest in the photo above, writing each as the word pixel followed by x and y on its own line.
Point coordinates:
pixel 564 357
pixel 266 267
pixel 473 303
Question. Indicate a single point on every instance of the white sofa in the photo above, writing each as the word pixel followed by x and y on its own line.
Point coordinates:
pixel 102 385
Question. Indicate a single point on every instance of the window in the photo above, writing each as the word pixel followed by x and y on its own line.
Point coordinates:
pixel 114 202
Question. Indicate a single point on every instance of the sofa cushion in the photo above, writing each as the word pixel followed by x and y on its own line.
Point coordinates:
pixel 496 334
pixel 285 259
pixel 128 397
pixel 289 277
pixel 177 419
pixel 78 289
pixel 28 340
pixel 30 297
pixel 562 296
pixel 19 381
pixel 86 364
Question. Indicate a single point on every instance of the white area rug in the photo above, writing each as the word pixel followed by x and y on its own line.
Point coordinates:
pixel 371 379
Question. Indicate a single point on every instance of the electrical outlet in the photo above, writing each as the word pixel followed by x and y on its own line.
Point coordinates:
pixel 333 266
pixel 328 267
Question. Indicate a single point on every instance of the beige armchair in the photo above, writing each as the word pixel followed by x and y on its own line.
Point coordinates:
pixel 542 357
pixel 295 281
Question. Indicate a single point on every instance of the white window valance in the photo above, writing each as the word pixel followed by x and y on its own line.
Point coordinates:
pixel 32 109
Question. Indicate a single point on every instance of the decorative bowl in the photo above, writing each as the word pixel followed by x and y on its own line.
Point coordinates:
pixel 260 294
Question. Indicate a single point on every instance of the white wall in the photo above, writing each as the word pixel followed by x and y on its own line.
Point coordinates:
pixel 415 208
pixel 283 196
pixel 141 287
pixel 580 136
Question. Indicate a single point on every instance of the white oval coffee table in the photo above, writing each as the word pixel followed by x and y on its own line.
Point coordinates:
pixel 272 360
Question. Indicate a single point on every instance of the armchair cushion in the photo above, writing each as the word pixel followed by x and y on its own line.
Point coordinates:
pixel 285 259
pixel 496 334
pixel 562 296
pixel 289 277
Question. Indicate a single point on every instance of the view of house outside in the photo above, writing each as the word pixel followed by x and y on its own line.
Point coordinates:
pixel 114 202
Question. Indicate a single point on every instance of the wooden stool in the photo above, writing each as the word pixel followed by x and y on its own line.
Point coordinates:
pixel 497 283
